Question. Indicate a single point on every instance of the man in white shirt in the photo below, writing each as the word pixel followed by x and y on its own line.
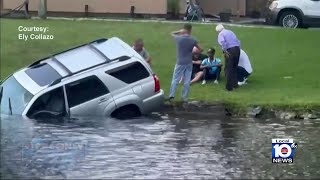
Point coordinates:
pixel 244 68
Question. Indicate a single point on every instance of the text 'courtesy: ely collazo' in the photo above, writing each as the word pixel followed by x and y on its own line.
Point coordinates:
pixel 27 33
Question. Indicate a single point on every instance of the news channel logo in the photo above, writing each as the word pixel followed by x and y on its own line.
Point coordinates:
pixel 283 150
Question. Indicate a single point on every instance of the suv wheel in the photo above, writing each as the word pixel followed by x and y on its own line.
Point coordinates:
pixel 126 112
pixel 290 19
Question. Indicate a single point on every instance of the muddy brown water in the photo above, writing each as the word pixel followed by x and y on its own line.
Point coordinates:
pixel 160 146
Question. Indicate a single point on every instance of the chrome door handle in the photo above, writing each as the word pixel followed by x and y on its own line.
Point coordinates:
pixel 102 100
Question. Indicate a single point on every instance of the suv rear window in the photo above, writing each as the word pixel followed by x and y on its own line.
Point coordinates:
pixel 85 90
pixel 43 74
pixel 130 73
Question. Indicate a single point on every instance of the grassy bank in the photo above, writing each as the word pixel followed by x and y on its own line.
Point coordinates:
pixel 274 53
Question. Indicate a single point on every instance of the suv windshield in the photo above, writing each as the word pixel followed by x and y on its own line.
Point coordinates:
pixel 19 97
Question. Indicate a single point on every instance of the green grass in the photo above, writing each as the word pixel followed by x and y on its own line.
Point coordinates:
pixel 274 54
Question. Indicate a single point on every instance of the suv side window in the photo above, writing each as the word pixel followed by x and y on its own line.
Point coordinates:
pixel 85 90
pixel 130 73
pixel 52 101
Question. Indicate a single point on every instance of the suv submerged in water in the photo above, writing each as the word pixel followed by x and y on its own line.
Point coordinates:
pixel 103 78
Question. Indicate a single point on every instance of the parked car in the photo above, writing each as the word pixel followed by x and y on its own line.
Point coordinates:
pixel 294 13
pixel 105 77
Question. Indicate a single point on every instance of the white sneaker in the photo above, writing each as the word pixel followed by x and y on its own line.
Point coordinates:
pixel 204 82
pixel 241 83
pixel 216 82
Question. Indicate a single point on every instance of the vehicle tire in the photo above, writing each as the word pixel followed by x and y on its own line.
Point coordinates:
pixel 304 26
pixel 126 112
pixel 290 19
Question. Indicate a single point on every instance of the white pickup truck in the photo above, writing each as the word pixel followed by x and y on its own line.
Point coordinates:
pixel 294 13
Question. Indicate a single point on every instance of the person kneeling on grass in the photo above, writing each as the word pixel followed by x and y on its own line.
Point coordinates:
pixel 211 67
pixel 244 68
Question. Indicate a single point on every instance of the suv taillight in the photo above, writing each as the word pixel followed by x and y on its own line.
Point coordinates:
pixel 156 83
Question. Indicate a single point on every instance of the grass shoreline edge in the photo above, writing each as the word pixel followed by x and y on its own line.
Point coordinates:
pixel 237 110
pixel 274 53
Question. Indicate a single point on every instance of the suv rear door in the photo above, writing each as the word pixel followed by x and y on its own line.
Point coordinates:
pixel 136 76
pixel 88 97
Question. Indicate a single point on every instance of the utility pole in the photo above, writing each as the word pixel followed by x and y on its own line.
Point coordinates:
pixel 42 12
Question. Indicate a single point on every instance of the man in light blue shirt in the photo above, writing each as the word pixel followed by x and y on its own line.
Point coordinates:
pixel 231 49
pixel 211 67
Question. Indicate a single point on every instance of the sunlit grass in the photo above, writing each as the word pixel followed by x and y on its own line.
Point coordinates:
pixel 274 54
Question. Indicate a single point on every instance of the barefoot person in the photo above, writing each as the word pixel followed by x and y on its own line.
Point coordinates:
pixel 211 67
pixel 197 58
pixel 183 68
pixel 231 49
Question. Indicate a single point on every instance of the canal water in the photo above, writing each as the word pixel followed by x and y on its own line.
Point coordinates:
pixel 161 146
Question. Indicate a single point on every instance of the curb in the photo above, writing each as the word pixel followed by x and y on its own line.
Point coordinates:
pixel 221 109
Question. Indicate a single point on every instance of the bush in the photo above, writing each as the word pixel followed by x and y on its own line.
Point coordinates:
pixel 174 7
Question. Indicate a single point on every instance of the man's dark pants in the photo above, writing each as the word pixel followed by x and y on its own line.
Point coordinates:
pixel 208 76
pixel 242 74
pixel 232 62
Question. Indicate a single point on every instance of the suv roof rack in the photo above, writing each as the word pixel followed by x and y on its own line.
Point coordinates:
pixel 107 60
pixel 121 58
pixel 101 40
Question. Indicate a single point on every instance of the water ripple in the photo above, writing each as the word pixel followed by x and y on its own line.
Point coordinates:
pixel 169 148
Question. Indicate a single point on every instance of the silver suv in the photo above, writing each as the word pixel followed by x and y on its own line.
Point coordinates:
pixel 103 78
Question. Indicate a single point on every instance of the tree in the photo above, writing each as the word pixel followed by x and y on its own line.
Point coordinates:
pixel 42 12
